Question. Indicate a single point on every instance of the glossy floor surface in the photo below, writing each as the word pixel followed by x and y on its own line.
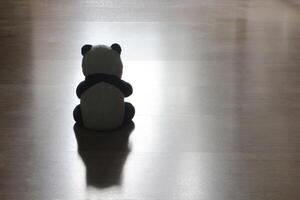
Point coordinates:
pixel 216 90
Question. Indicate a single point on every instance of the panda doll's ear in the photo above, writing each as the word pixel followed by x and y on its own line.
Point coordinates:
pixel 116 47
pixel 85 49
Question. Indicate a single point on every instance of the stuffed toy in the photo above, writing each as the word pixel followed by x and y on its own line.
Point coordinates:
pixel 102 93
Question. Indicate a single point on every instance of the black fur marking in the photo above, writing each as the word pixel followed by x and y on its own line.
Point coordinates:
pixel 116 47
pixel 129 113
pixel 77 114
pixel 85 49
pixel 94 79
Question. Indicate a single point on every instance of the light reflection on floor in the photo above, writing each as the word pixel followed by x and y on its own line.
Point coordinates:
pixel 205 83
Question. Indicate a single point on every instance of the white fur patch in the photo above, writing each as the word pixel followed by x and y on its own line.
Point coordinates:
pixel 102 59
pixel 102 107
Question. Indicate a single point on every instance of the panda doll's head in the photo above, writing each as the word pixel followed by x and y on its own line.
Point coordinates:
pixel 102 59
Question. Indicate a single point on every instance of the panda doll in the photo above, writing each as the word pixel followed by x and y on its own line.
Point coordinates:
pixel 102 93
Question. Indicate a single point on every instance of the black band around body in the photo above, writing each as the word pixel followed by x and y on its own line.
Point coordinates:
pixel 94 79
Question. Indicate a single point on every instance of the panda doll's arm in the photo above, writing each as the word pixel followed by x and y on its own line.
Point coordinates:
pixel 125 88
pixel 80 89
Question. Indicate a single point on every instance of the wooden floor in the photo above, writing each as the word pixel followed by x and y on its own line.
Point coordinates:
pixel 216 90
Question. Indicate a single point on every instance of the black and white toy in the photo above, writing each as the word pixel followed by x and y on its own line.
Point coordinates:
pixel 102 93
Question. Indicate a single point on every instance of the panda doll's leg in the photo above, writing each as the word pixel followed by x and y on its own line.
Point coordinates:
pixel 77 114
pixel 129 113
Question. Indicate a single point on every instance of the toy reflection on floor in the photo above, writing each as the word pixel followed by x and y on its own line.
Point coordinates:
pixel 104 154
pixel 102 93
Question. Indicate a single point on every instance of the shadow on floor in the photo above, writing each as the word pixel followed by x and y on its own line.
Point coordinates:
pixel 104 154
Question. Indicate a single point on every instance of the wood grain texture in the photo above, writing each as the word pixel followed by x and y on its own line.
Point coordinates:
pixel 216 90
